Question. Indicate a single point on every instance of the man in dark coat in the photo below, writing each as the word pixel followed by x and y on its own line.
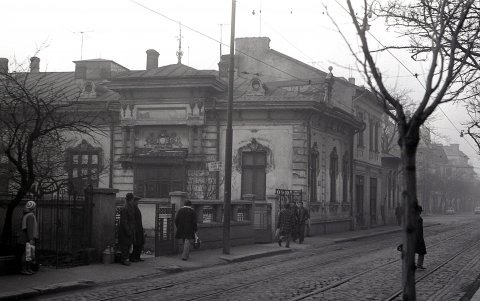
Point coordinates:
pixel 126 232
pixel 420 247
pixel 296 224
pixel 139 240
pixel 286 225
pixel 302 217
pixel 186 223
pixel 399 214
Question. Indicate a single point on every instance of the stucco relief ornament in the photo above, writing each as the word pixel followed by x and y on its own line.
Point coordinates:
pixel 329 80
pixel 253 146
pixel 163 140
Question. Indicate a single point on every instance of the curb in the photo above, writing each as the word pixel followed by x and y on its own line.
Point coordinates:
pixel 239 258
pixel 340 240
pixel 49 289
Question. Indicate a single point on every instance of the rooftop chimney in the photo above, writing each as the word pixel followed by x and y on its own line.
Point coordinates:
pixel 34 64
pixel 351 80
pixel 152 59
pixel 3 65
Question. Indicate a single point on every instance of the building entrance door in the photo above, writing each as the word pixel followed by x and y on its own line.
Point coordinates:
pixel 158 180
pixel 359 199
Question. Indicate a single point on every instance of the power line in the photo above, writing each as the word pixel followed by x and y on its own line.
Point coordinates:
pixel 414 75
pixel 217 41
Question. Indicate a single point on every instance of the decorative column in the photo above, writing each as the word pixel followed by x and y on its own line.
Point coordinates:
pixel 178 198
pixel 251 198
pixel 103 218
pixel 125 139
pixel 273 199
pixel 132 140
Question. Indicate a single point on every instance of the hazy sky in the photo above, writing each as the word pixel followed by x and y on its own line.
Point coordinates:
pixel 122 30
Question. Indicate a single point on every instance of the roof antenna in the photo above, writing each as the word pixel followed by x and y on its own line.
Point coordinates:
pixel 81 45
pixel 221 35
pixel 180 52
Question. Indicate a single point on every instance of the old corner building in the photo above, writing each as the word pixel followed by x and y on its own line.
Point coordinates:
pixel 295 128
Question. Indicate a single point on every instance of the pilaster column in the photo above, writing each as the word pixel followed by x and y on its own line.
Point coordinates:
pixel 132 140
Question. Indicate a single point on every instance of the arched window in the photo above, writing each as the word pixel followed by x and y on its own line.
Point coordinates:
pixel 333 174
pixel 345 170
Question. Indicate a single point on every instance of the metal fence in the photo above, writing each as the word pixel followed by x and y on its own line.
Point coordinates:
pixel 64 226
pixel 286 196
pixel 164 229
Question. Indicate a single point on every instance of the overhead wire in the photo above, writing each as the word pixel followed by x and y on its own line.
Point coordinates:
pixel 306 81
pixel 217 41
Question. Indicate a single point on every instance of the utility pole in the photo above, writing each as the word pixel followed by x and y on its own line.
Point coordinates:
pixel 228 142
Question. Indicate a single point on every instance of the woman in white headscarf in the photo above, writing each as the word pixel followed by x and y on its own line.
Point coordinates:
pixel 29 237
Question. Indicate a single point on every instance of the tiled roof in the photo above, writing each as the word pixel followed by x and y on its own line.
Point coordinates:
pixel 64 83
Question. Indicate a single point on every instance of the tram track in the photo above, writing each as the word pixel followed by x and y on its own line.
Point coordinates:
pixel 306 267
pixel 397 293
pixel 326 288
pixel 375 244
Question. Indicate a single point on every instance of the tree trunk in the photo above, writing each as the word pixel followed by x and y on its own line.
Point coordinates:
pixel 408 147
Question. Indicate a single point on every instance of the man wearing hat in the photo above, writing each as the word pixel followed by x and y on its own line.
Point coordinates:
pixel 29 237
pixel 139 234
pixel 130 234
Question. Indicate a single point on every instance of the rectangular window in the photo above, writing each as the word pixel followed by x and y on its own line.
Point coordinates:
pixel 376 137
pixel 360 134
pixel 82 169
pixel 157 181
pixel 373 200
pixel 370 135
pixel 313 177
pixel 253 174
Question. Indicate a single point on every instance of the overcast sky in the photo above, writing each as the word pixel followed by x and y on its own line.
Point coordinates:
pixel 122 30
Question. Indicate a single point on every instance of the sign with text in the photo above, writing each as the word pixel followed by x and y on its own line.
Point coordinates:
pixel 215 166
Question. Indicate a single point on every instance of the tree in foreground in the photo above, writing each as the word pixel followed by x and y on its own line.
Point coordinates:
pixel 442 33
pixel 37 114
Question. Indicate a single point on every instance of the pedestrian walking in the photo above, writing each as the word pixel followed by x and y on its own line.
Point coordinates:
pixel 285 225
pixel 127 233
pixel 399 214
pixel 186 223
pixel 294 208
pixel 139 237
pixel 28 238
pixel 420 247
pixel 303 217
pixel 382 213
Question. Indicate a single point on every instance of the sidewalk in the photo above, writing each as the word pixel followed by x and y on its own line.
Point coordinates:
pixel 47 280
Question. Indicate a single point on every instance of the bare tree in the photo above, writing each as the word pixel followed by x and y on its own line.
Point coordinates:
pixel 441 32
pixel 37 113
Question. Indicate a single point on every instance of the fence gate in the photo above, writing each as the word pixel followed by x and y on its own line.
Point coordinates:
pixel 286 196
pixel 262 223
pixel 64 230
pixel 164 229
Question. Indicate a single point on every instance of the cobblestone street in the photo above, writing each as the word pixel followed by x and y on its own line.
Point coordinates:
pixel 367 269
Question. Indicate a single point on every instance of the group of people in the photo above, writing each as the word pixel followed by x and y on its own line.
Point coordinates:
pixel 292 223
pixel 131 236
